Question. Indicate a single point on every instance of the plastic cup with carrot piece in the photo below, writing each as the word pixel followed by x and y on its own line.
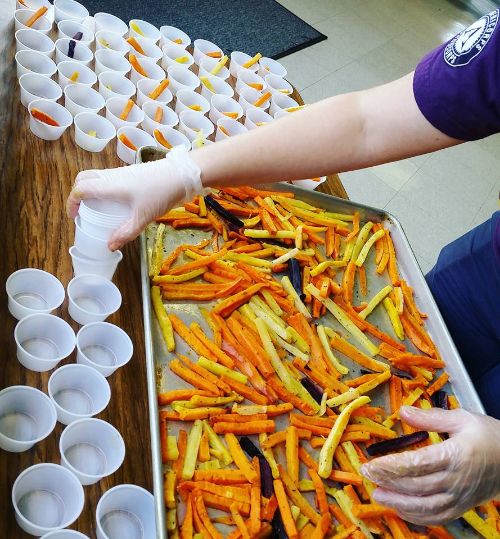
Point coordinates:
pixel 131 139
pixel 176 55
pixel 190 100
pixel 22 21
pixel 227 127
pixel 207 65
pixel 278 85
pixel 144 48
pixel 238 59
pixel 138 27
pixel 171 34
pixel 168 138
pixel 153 90
pixel 93 132
pixel 48 119
pixel 212 85
pixel 268 66
pixel 192 124
pixel 114 84
pixel 203 48
pixel 281 102
pixel 70 72
pixel 255 117
pixel 250 97
pixel 250 79
pixel 145 68
pixel 182 79
pixel 69 49
pixel 115 108
pixel 158 115
pixel 223 106
pixel 69 10
pixel 112 41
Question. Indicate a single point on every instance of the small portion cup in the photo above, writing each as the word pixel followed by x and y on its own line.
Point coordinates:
pixel 79 98
pixel 227 127
pixel 93 132
pixel 126 511
pixel 146 86
pixel 220 87
pixel 176 55
pixel 108 60
pixel 21 16
pixel 111 41
pixel 113 84
pixel 238 59
pixel 150 67
pixel 138 27
pixel 89 245
pixel 149 124
pixel 91 448
pixel 255 117
pixel 191 123
pixel 43 340
pixel 57 112
pixel 173 137
pixel 137 137
pixel 27 416
pixel 224 106
pixel 92 298
pixel 29 61
pixel 248 98
pixel 70 29
pixel 171 34
pixel 109 22
pixel 47 497
pixel 182 79
pixel 150 49
pixel 278 85
pixel 64 534
pixel 247 78
pixel 269 66
pixel 69 10
pixel 281 102
pixel 114 108
pixel 31 39
pixel 83 265
pixel 78 392
pixel 206 66
pixel 104 347
pixel 35 86
pixel 84 75
pixel 32 291
pixel 190 100
pixel 203 48
pixel 101 217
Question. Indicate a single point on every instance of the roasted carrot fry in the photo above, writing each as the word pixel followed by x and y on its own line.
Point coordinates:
pixel 262 99
pixel 125 140
pixel 292 452
pixel 156 92
pixel 438 384
pixel 135 44
pixel 245 391
pixel 126 109
pixel 132 58
pixel 37 15
pixel 44 117
pixel 250 427
pixel 239 457
pixel 284 507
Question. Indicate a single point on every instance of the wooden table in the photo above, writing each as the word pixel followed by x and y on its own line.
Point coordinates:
pixel 36 177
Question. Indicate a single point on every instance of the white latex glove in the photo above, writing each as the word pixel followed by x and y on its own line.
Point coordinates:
pixel 150 189
pixel 438 483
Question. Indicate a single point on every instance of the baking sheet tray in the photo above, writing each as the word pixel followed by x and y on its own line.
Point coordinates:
pixel 157 357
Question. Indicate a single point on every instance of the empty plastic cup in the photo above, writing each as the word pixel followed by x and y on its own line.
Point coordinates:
pixel 47 497
pixel 28 61
pixel 104 347
pixel 43 340
pixel 30 39
pixel 107 21
pixel 35 86
pixel 92 298
pixel 112 41
pixel 78 392
pixel 83 265
pixel 79 98
pixel 91 449
pixel 192 124
pixel 93 132
pixel 126 512
pixel 108 60
pixel 64 534
pixel 182 79
pixel 32 291
pixel 27 416
pixel 69 10
pixel 44 130
pixel 113 84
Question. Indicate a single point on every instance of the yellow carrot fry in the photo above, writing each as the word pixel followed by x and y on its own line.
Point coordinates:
pixel 183 277
pixel 157 254
pixel 433 436
pixel 346 504
pixel 158 115
pixel 344 320
pixel 233 115
pixel 410 399
pixel 323 266
pixel 92 133
pixel 287 285
pixel 171 521
pixel 394 318
pixel 172 451
pixel 156 92
pixel 353 457
pixel 216 444
pixel 136 28
pixel 164 321
pixel 239 457
pixel 292 452
pixel 206 82
pixel 182 59
pixel 74 76
pixel 262 99
pixel 126 110
pixel 170 489
pixel 361 239
pixel 377 298
pixel 482 527
pixel 328 351
pixel 192 446
pixel 219 65
pixel 281 234
pixel 367 246
pixel 296 497
pixel 252 61
pixel 328 449
pixel 239 521
pixel 295 109
pixel 104 43
pixel 221 370
pixel 197 108
pixel 37 15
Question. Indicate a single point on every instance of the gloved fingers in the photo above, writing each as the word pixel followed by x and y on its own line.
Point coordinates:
pixel 421 462
pixel 436 419
pixel 425 485
pixel 127 232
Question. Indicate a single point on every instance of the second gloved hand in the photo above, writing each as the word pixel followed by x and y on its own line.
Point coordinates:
pixel 150 189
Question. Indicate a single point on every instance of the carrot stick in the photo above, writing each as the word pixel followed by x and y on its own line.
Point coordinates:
pixel 438 384
pixel 156 92
pixel 126 109
pixel 284 507
pixel 359 357
pixel 190 338
pixel 201 262
pixel 296 497
pixel 220 477
pixel 251 427
pixel 321 501
pixel 235 493
pixel 239 521
pixel 206 374
pixel 226 307
pixel 255 500
pixel 135 44
pixel 214 54
pixel 362 280
pixel 44 117
pixel 202 512
pixel 132 58
pixel 262 99
pixel 236 418
pixel 339 516
pixel 392 266
pixel 287 396
pixel 220 356
pixel 416 334
pixel 158 115
pixel 371 510
pixel 187 523
pixel 395 393
pixel 239 457
pixel 204 449
pixel 223 504
pixel 292 452
pixel 163 440
pixel 181 445
pixel 125 140
pixel 348 282
pixel 38 13
pixel 322 526
pixel 337 475
pixel 355 227
pixel 192 378
pixel 245 391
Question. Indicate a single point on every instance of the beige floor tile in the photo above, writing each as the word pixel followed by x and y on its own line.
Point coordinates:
pixel 303 71
pixel 365 187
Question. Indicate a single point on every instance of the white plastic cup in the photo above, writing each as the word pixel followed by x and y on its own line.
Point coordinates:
pixel 113 84
pixel 64 534
pixel 138 137
pixel 104 347
pixel 220 86
pixel 69 10
pixel 79 98
pixel 43 340
pixel 247 77
pixel 232 127
pixel 174 138
pixel 146 86
pixel 108 60
pixel 83 265
pixel 281 102
pixel 65 70
pixel 91 448
pixel 34 4
pixel 85 122
pixel 27 416
pixel 29 61
pixel 150 67
pixel 69 29
pixel 199 143
pixel 114 108
pixel 92 298
pixel 90 245
pixel 126 512
pixel 148 30
pixel 236 64
pixel 21 17
pixel 78 392
pixel 278 85
pixel 35 86
pixel 268 66
pixel 32 291
pixel 188 98
pixel 255 117
pixel 100 218
pixel 109 22
pixel 191 123
pixel 201 47
pixel 248 97
pixel 206 66
pixel 58 112
pixel 151 50
pixel 221 105
pixel 171 52
pixel 149 124
pixel 46 497
pixel 182 79
pixel 30 39
pixel 171 34
pixel 111 41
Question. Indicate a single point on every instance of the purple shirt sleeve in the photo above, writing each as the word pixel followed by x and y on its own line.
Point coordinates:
pixel 457 85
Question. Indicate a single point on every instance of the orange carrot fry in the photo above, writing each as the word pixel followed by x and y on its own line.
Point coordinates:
pixel 202 512
pixel 38 13
pixel 214 54
pixel 239 457
pixel 319 487
pixel 201 262
pixel 158 115
pixel 322 526
pixel 227 306
pixel 44 117
pixel 125 140
pixel 187 524
pixel 284 507
pixel 190 338
pixel 255 500
pixel 156 92
pixel 163 440
pixel 236 418
pixel 245 391
pixel 135 44
pixel 292 452
pixel 220 477
pixel 262 99
pixel 160 137
pixel 178 464
pixel 126 109
pixel 132 58
pixel 192 378
pixel 180 395
pixel 221 356
pixel 339 516
pixel 244 429
pixel 372 510
pixel 438 384
pixel 239 521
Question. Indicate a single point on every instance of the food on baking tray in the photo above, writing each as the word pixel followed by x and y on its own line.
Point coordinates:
pixel 309 324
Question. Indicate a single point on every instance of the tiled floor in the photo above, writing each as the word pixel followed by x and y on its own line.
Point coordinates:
pixel 436 197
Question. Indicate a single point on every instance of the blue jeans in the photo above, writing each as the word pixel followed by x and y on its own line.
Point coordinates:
pixel 465 283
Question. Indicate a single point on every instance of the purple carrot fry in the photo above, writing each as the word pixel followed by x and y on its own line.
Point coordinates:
pixel 78 36
pixel 440 400
pixel 71 48
pixel 386 446
pixel 312 388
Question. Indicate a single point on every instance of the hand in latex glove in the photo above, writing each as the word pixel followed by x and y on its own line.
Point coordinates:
pixel 438 483
pixel 150 189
